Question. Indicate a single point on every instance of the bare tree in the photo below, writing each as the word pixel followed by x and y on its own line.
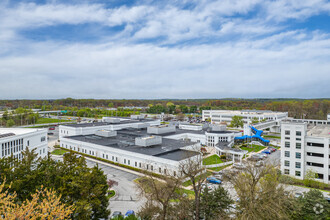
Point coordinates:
pixel 260 194
pixel 160 194
pixel 193 170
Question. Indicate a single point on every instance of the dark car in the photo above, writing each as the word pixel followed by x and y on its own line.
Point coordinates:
pixel 116 214
pixel 266 152
pixel 50 133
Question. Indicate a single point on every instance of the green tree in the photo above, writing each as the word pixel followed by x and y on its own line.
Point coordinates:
pixel 10 123
pixel 214 205
pixel 236 121
pixel 312 205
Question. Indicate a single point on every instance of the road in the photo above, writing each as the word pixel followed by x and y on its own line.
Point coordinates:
pixel 127 194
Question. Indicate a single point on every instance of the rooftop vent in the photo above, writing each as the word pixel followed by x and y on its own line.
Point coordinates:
pixel 111 120
pixel 161 129
pixel 137 117
pixel 139 125
pixel 148 141
pixel 106 133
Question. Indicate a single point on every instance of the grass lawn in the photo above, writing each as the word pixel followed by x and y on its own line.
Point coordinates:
pixel 111 193
pixel 271 136
pixel 188 183
pixel 59 152
pixel 49 120
pixel 255 148
pixel 214 159
pixel 219 168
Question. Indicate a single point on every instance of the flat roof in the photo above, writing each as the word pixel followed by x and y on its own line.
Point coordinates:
pixel 128 121
pixel 245 112
pixel 7 132
pixel 318 131
pixel 125 140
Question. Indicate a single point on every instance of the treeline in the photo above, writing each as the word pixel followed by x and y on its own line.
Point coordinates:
pixel 19 116
pixel 297 108
pixel 97 112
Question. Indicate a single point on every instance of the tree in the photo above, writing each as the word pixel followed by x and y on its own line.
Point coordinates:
pixel 193 109
pixel 312 205
pixel 259 192
pixel 193 170
pixel 215 204
pixel 10 123
pixel 45 204
pixel 110 105
pixel 236 121
pixel 180 117
pixel 159 194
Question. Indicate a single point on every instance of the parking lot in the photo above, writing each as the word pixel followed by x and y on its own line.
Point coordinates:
pixel 127 194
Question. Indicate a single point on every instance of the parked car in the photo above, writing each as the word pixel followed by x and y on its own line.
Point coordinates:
pixel 213 180
pixel 51 128
pixel 272 149
pixel 297 195
pixel 266 152
pixel 261 155
pixel 255 157
pixel 129 213
pixel 218 176
pixel 116 214
pixel 50 133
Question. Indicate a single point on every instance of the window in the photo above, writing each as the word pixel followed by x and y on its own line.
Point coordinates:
pixel 102 155
pixel 286 163
pixel 287 132
pixel 315 144
pixel 147 166
pixel 116 159
pixel 298 133
pixel 113 158
pixel 28 143
pixel 287 144
pixel 298 173
pixel 315 154
pixel 43 139
pixel 164 171
pixel 124 161
pixel 107 156
pixel 135 164
pixel 128 162
pixel 174 173
pixel 43 150
pixel 151 167
pixel 287 153
pixel 298 155
pixel 298 145
pixel 298 139
pixel 298 165
pixel 140 165
pixel 160 170
pixel 315 164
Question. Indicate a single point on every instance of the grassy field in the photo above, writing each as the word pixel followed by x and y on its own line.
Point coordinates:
pixel 219 168
pixel 214 159
pixel 59 152
pixel 49 120
pixel 271 136
pixel 255 148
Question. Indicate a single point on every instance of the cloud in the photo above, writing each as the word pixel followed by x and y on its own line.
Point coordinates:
pixel 176 49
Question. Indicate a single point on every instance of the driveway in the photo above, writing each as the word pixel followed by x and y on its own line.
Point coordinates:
pixel 127 194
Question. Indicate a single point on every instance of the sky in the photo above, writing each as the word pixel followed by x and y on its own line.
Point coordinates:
pixel 145 49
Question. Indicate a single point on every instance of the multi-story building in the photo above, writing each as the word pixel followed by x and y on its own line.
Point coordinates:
pixel 112 124
pixel 218 116
pixel 305 147
pixel 14 140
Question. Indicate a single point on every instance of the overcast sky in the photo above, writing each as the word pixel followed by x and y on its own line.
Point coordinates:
pixel 164 49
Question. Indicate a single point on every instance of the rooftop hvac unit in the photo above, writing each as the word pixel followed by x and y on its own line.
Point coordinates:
pixel 111 120
pixel 138 117
pixel 139 125
pixel 148 141
pixel 161 129
pixel 106 133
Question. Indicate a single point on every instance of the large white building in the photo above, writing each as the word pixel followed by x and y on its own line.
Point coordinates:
pixel 218 116
pixel 305 146
pixel 106 124
pixel 157 148
pixel 14 140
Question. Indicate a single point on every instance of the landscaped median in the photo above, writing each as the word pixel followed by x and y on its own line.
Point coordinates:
pixel 253 148
pixel 59 152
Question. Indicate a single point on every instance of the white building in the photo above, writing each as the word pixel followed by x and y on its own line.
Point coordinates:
pixel 106 124
pixel 305 147
pixel 15 140
pixel 218 116
pixel 135 148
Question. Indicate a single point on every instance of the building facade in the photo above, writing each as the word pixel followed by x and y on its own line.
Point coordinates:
pixel 14 140
pixel 305 147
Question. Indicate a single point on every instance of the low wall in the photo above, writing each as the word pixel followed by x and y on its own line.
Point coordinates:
pixel 218 165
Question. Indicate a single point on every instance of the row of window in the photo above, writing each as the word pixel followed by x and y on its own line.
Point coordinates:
pixel 287 145
pixel 287 154
pixel 287 164
pixel 11 147
pixel 297 172
pixel 298 133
